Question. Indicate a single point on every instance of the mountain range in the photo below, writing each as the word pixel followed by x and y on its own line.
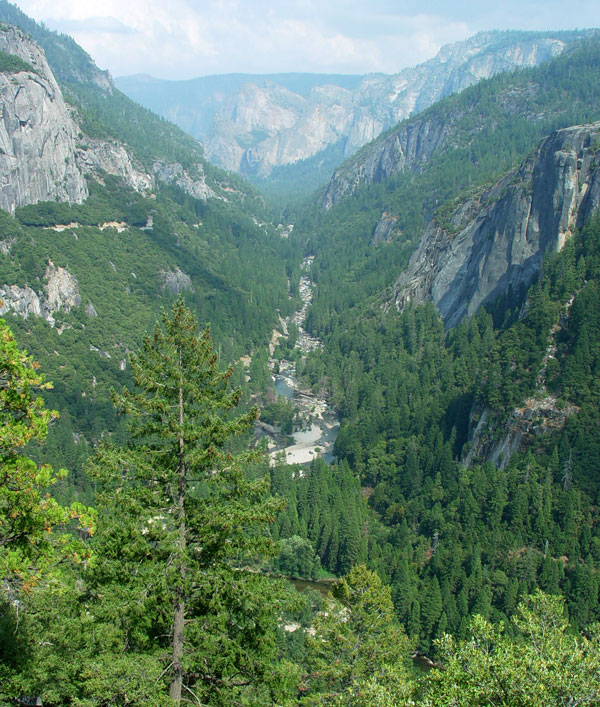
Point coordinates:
pixel 254 124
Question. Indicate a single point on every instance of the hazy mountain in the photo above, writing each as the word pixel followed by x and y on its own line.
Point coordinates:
pixel 253 124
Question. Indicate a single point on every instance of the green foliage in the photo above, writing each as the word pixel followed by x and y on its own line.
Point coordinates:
pixel 451 541
pixel 294 183
pixel 297 558
pixel 491 127
pixel 543 665
pixel 325 508
pixel 171 593
pixel 180 518
pixel 282 413
pixel 105 111
pixel 34 533
pixel 121 275
pixel 12 64
pixel 59 649
pixel 357 638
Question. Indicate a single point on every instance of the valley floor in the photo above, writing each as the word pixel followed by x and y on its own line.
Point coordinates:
pixel 318 438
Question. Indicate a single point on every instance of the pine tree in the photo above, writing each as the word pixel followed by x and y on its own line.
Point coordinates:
pixel 431 604
pixel 192 517
pixel 356 638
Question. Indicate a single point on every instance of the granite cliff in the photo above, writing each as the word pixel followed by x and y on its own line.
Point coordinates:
pixel 409 148
pixel 52 151
pixel 44 155
pixel 255 125
pixel 52 145
pixel 61 291
pixel 497 240
pixel 37 134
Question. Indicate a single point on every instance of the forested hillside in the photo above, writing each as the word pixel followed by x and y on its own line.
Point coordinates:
pixel 81 283
pixel 462 540
pixel 458 527
pixel 123 273
pixel 475 453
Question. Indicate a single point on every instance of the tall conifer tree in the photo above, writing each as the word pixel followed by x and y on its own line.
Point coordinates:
pixel 192 514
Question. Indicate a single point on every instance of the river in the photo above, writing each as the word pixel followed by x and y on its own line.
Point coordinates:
pixel 318 437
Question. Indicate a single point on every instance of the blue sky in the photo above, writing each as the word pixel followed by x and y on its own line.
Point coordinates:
pixel 181 39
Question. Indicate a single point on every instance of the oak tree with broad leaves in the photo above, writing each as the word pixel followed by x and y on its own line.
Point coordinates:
pixel 34 528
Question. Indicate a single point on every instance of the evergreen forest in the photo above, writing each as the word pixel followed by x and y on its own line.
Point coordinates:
pixel 154 550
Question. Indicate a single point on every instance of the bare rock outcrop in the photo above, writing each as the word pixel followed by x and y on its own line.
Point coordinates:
pixel 61 291
pixel 174 173
pixel 384 229
pixel 21 300
pixel 110 156
pixel 496 442
pixel 37 133
pixel 176 281
pixel 406 149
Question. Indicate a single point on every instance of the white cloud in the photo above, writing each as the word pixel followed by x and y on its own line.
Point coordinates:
pixel 188 38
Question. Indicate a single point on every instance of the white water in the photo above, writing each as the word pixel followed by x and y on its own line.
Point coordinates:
pixel 319 438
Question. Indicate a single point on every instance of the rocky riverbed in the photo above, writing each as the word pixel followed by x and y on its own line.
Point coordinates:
pixel 322 424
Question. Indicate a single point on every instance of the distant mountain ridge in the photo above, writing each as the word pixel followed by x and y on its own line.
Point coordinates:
pixel 253 124
pixel 171 99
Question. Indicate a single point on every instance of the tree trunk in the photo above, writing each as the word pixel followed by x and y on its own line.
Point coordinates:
pixel 177 681
pixel 179 613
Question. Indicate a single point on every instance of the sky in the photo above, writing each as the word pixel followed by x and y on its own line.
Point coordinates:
pixel 182 39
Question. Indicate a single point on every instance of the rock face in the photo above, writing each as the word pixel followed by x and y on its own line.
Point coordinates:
pixel 43 154
pixel 309 126
pixel 176 281
pixel 37 134
pixel 535 418
pixel 384 229
pixel 331 114
pixel 256 125
pixel 95 156
pixel 61 291
pixel 174 173
pixel 21 300
pixel 408 148
pixel 499 240
pixel 110 156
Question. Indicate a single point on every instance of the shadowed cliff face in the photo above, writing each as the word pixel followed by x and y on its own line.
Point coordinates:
pixel 499 240
pixel 408 149
pixel 37 134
